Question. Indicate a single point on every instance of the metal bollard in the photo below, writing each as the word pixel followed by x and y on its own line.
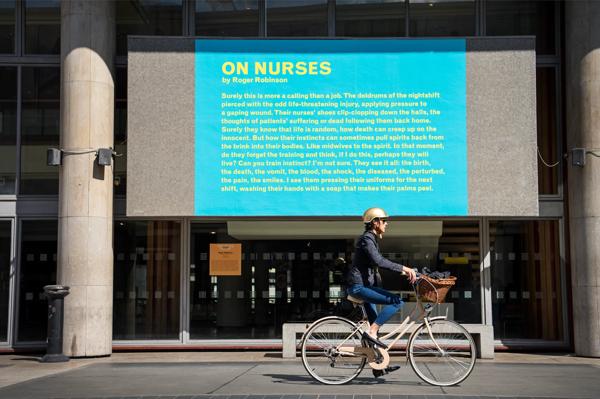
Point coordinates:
pixel 55 295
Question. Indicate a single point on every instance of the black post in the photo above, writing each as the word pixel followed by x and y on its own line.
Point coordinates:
pixel 55 295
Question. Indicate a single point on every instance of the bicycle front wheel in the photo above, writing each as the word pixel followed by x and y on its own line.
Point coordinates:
pixel 443 354
pixel 331 351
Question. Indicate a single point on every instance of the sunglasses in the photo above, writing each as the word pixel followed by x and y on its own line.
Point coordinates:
pixel 384 220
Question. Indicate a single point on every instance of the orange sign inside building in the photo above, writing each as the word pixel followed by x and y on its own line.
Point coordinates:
pixel 225 260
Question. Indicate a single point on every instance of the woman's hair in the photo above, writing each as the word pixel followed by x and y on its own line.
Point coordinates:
pixel 369 225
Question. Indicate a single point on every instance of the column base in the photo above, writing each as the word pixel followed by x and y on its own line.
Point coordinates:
pixel 54 358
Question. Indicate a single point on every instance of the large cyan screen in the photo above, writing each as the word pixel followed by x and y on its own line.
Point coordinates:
pixel 330 127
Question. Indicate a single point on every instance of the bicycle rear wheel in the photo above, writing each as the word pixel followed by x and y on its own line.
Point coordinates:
pixel 446 356
pixel 321 354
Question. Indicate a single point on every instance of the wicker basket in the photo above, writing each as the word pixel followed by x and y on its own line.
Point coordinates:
pixel 426 290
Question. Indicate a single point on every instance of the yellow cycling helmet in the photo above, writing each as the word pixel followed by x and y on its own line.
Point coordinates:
pixel 374 213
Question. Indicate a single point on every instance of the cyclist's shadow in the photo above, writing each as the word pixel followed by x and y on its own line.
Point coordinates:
pixel 295 379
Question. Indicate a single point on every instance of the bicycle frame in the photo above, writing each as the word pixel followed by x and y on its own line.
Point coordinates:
pixel 401 330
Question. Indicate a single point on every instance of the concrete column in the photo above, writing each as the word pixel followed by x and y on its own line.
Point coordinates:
pixel 582 97
pixel 85 252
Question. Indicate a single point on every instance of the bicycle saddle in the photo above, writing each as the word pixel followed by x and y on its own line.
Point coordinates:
pixel 355 300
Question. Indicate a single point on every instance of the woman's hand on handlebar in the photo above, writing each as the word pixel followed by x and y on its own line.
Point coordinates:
pixel 411 274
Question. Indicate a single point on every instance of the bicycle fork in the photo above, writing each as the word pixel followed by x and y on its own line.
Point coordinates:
pixel 430 333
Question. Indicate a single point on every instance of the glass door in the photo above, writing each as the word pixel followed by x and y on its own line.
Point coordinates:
pixel 37 269
pixel 5 262
pixel 146 294
pixel 527 294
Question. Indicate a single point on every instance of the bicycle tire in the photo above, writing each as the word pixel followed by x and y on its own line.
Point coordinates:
pixel 450 366
pixel 319 356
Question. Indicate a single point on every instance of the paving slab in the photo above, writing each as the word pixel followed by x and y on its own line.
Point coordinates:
pixel 288 380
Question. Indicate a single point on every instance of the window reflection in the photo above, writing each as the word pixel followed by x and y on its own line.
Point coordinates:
pixel 40 121
pixel 444 246
pixel 370 18
pixel 146 280
pixel 281 281
pixel 5 261
pixel 442 18
pixel 37 269
pixel 296 18
pixel 147 17
pixel 294 280
pixel 526 285
pixel 533 17
pixel 8 129
pixel 227 17
pixel 42 26
pixel 7 26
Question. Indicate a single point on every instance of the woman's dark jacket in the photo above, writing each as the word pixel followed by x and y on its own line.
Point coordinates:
pixel 366 261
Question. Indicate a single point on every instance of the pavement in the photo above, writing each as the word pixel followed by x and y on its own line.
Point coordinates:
pixel 264 375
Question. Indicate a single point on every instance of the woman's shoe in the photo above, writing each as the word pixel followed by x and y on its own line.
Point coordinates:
pixel 378 373
pixel 387 370
pixel 373 341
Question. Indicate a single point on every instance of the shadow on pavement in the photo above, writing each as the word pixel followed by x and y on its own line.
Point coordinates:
pixel 295 379
pixel 27 359
pixel 276 355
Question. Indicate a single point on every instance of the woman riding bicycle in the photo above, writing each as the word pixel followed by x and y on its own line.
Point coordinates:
pixel 335 349
pixel 363 279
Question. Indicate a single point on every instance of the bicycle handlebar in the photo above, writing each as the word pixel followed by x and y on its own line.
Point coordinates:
pixel 417 274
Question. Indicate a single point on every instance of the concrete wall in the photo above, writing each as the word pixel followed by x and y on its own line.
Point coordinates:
pixel 160 127
pixel 501 127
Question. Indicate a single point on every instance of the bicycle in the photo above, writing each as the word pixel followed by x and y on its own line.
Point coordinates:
pixel 440 351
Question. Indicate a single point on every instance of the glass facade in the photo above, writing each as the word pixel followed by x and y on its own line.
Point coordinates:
pixel 281 281
pixel 40 123
pixel 8 129
pixel 287 279
pixel 530 17
pixel 7 26
pixel 237 18
pixel 37 269
pixel 370 18
pixel 527 295
pixel 42 26
pixel 147 17
pixel 442 18
pixel 120 133
pixel 292 280
pixel 146 280
pixel 547 126
pixel 5 266
pixel 307 18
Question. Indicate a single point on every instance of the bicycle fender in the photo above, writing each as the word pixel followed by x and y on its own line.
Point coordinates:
pixel 309 326
pixel 437 318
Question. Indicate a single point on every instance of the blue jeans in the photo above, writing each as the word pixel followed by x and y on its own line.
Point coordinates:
pixel 377 296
